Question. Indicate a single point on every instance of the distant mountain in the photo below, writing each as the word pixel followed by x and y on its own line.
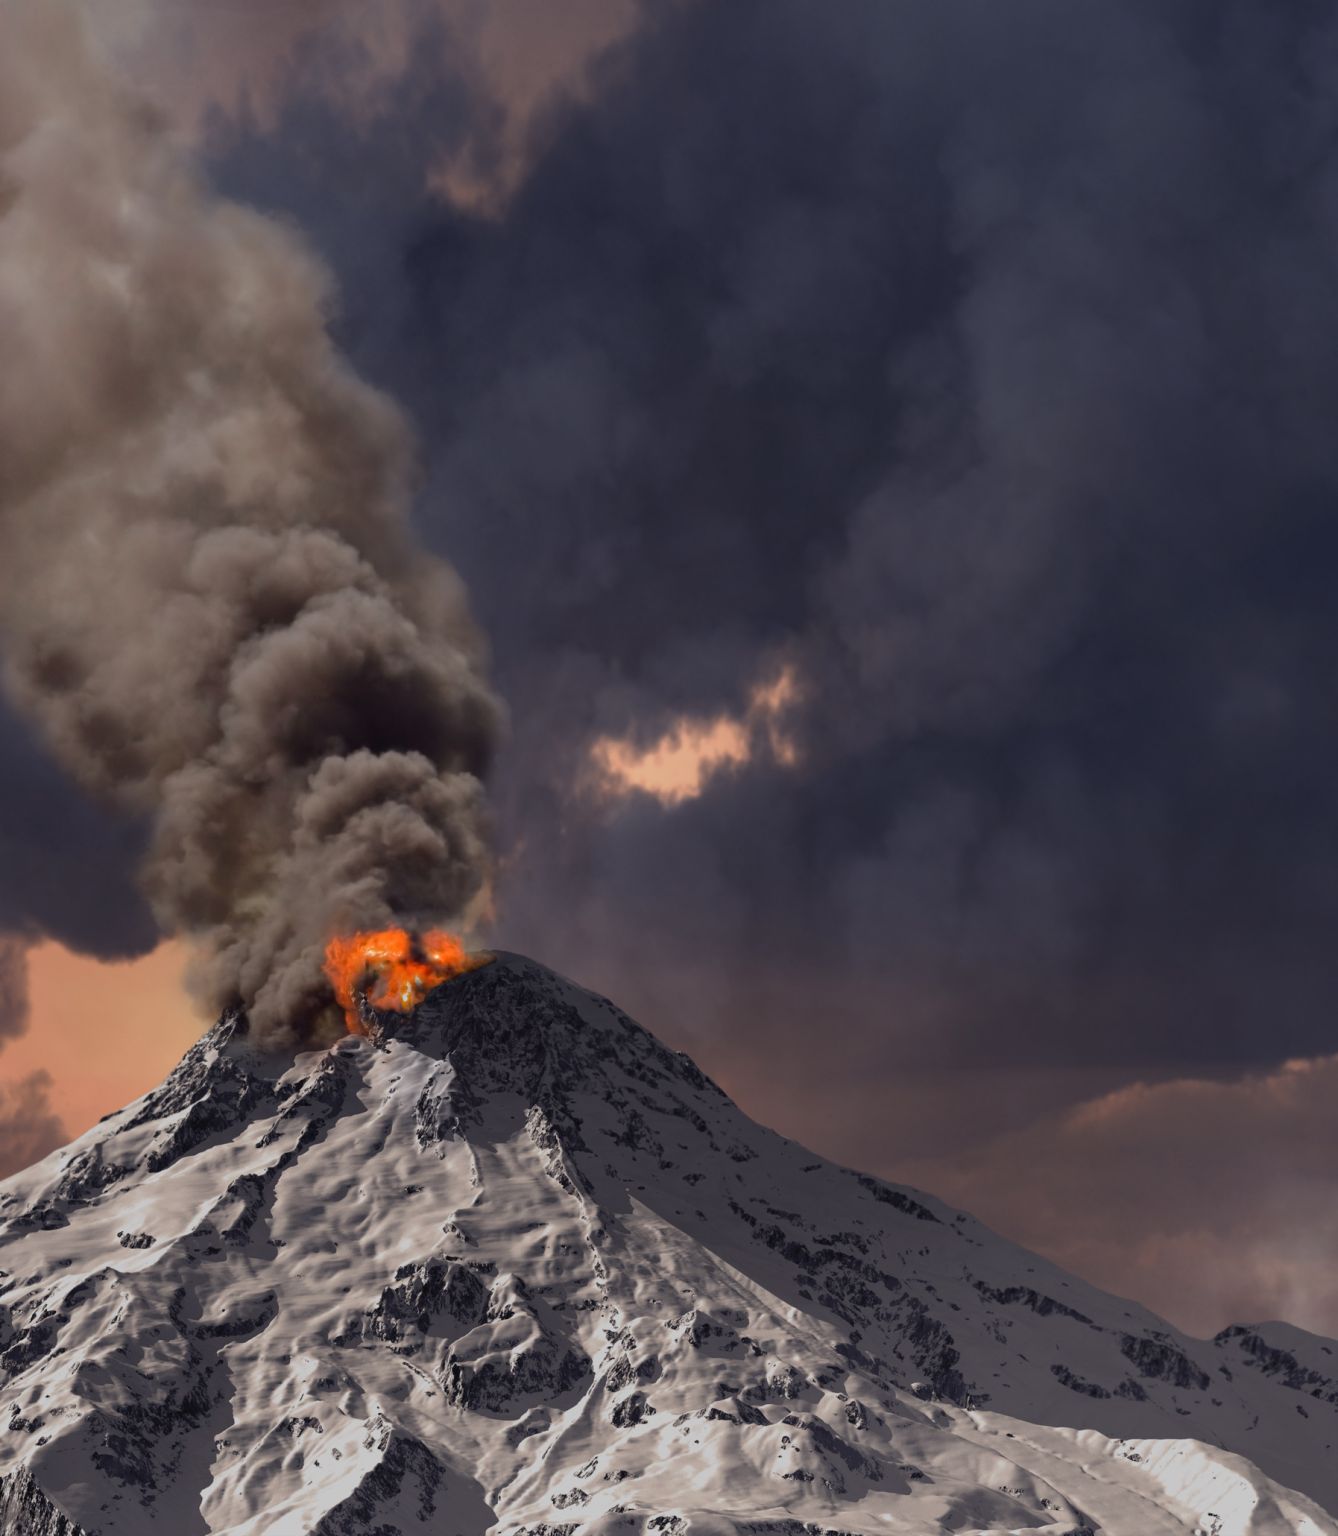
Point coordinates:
pixel 511 1265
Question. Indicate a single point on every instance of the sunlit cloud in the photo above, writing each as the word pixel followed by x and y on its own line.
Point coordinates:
pixel 678 766
pixel 1197 1196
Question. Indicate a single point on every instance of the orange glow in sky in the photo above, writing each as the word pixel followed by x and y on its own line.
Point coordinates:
pixel 108 1032
pixel 679 765
pixel 105 1032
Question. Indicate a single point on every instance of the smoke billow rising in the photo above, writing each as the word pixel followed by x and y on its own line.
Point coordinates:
pixel 211 602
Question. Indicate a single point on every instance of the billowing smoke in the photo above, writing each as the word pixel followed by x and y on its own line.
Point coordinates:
pixel 211 604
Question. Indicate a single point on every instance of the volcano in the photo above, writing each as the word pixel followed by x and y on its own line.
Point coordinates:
pixel 508 1264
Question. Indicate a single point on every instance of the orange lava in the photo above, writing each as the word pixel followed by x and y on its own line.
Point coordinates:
pixel 392 969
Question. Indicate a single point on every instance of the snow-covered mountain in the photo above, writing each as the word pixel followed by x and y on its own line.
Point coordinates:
pixel 511 1265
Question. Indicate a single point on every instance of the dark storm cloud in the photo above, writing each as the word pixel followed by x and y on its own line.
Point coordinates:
pixel 66 868
pixel 67 872
pixel 981 360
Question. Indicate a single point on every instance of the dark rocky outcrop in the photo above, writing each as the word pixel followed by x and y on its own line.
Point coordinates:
pixel 26 1511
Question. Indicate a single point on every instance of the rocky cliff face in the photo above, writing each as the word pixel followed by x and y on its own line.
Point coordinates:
pixel 512 1265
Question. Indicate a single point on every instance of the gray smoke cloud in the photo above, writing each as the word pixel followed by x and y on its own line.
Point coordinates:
pixel 978 361
pixel 29 1129
pixel 981 360
pixel 211 603
pixel 13 986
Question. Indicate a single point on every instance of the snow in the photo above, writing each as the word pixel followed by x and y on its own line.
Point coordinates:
pixel 514 1266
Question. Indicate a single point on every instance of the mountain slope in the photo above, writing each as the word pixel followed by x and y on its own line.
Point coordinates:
pixel 511 1264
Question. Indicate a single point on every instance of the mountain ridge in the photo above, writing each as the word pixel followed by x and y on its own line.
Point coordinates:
pixel 512 1264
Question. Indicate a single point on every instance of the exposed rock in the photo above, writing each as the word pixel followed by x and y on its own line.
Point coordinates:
pixel 26 1511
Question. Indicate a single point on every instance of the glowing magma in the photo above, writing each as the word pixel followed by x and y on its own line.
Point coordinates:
pixel 392 969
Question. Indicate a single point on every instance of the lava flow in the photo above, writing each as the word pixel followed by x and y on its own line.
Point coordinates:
pixel 392 969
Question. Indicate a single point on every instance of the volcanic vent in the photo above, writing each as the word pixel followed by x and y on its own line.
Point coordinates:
pixel 391 970
pixel 505 1263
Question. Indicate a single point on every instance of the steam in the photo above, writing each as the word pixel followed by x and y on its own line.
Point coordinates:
pixel 211 602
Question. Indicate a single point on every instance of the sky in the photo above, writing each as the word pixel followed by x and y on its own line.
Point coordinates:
pixel 889 452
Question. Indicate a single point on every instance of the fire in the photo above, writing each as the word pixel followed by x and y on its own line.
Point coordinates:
pixel 392 969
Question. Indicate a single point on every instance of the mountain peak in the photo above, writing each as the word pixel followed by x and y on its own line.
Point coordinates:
pixel 513 1025
pixel 511 1264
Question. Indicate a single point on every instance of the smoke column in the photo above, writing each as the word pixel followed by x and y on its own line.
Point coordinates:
pixel 211 603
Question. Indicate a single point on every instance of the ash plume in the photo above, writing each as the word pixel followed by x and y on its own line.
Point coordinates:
pixel 211 603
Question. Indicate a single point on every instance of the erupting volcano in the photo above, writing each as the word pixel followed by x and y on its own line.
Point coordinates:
pixel 392 969
pixel 525 1271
